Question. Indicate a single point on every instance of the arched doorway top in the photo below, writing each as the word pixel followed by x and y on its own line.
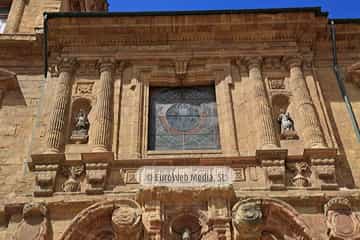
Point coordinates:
pixel 104 220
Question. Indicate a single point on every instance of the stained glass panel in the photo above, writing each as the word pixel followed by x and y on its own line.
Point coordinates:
pixel 183 119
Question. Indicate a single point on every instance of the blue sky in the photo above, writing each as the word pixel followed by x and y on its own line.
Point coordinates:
pixel 336 8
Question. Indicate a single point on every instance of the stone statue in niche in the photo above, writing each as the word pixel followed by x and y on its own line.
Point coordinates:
pixel 287 126
pixel 81 128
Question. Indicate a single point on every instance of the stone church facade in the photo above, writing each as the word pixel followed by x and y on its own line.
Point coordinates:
pixel 87 98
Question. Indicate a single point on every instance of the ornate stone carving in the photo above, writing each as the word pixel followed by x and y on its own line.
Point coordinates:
pixel 341 221
pixel 275 173
pixel 34 225
pixel 300 174
pixel 311 131
pixel 276 83
pixel 265 132
pixel 126 220
pixel 324 169
pixel 247 219
pixel 96 174
pixel 84 88
pixel 72 184
pixel 56 124
pixel 102 122
pixel 45 176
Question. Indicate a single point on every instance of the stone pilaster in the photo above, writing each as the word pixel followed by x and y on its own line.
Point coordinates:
pixel 225 114
pixel 56 126
pixel 15 15
pixel 102 122
pixel 313 137
pixel 263 120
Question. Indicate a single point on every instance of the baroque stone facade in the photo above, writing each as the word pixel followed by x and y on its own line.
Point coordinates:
pixel 88 99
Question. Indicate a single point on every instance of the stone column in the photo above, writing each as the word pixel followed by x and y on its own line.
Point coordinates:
pixel 15 15
pixel 56 127
pixel 102 122
pixel 313 136
pixel 263 119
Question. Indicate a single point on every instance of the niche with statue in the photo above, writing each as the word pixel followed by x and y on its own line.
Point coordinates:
pixel 80 125
pixel 285 122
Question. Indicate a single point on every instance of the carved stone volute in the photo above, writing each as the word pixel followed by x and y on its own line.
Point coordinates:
pixel 35 225
pixel 247 219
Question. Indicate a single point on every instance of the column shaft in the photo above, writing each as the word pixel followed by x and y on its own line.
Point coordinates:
pixel 15 15
pixel 103 110
pixel 56 127
pixel 263 120
pixel 312 133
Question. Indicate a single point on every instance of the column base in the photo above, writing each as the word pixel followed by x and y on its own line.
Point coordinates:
pixel 269 147
pixel 99 148
pixel 52 151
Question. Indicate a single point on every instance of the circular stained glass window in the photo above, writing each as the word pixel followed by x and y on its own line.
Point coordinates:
pixel 183 116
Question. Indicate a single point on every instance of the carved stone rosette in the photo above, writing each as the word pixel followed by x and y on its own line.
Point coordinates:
pixel 96 174
pixel 103 109
pixel 341 221
pixel 34 225
pixel 126 220
pixel 45 176
pixel 312 133
pixel 266 136
pixel 247 220
pixel 57 121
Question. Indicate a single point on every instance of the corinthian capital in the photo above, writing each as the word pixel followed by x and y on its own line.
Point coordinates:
pixel 106 64
pixel 67 64
pixel 293 61
pixel 253 62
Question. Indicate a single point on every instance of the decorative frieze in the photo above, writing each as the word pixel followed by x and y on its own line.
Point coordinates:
pixel 341 221
pixel 35 224
pixel 45 177
pixel 56 125
pixel 96 175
